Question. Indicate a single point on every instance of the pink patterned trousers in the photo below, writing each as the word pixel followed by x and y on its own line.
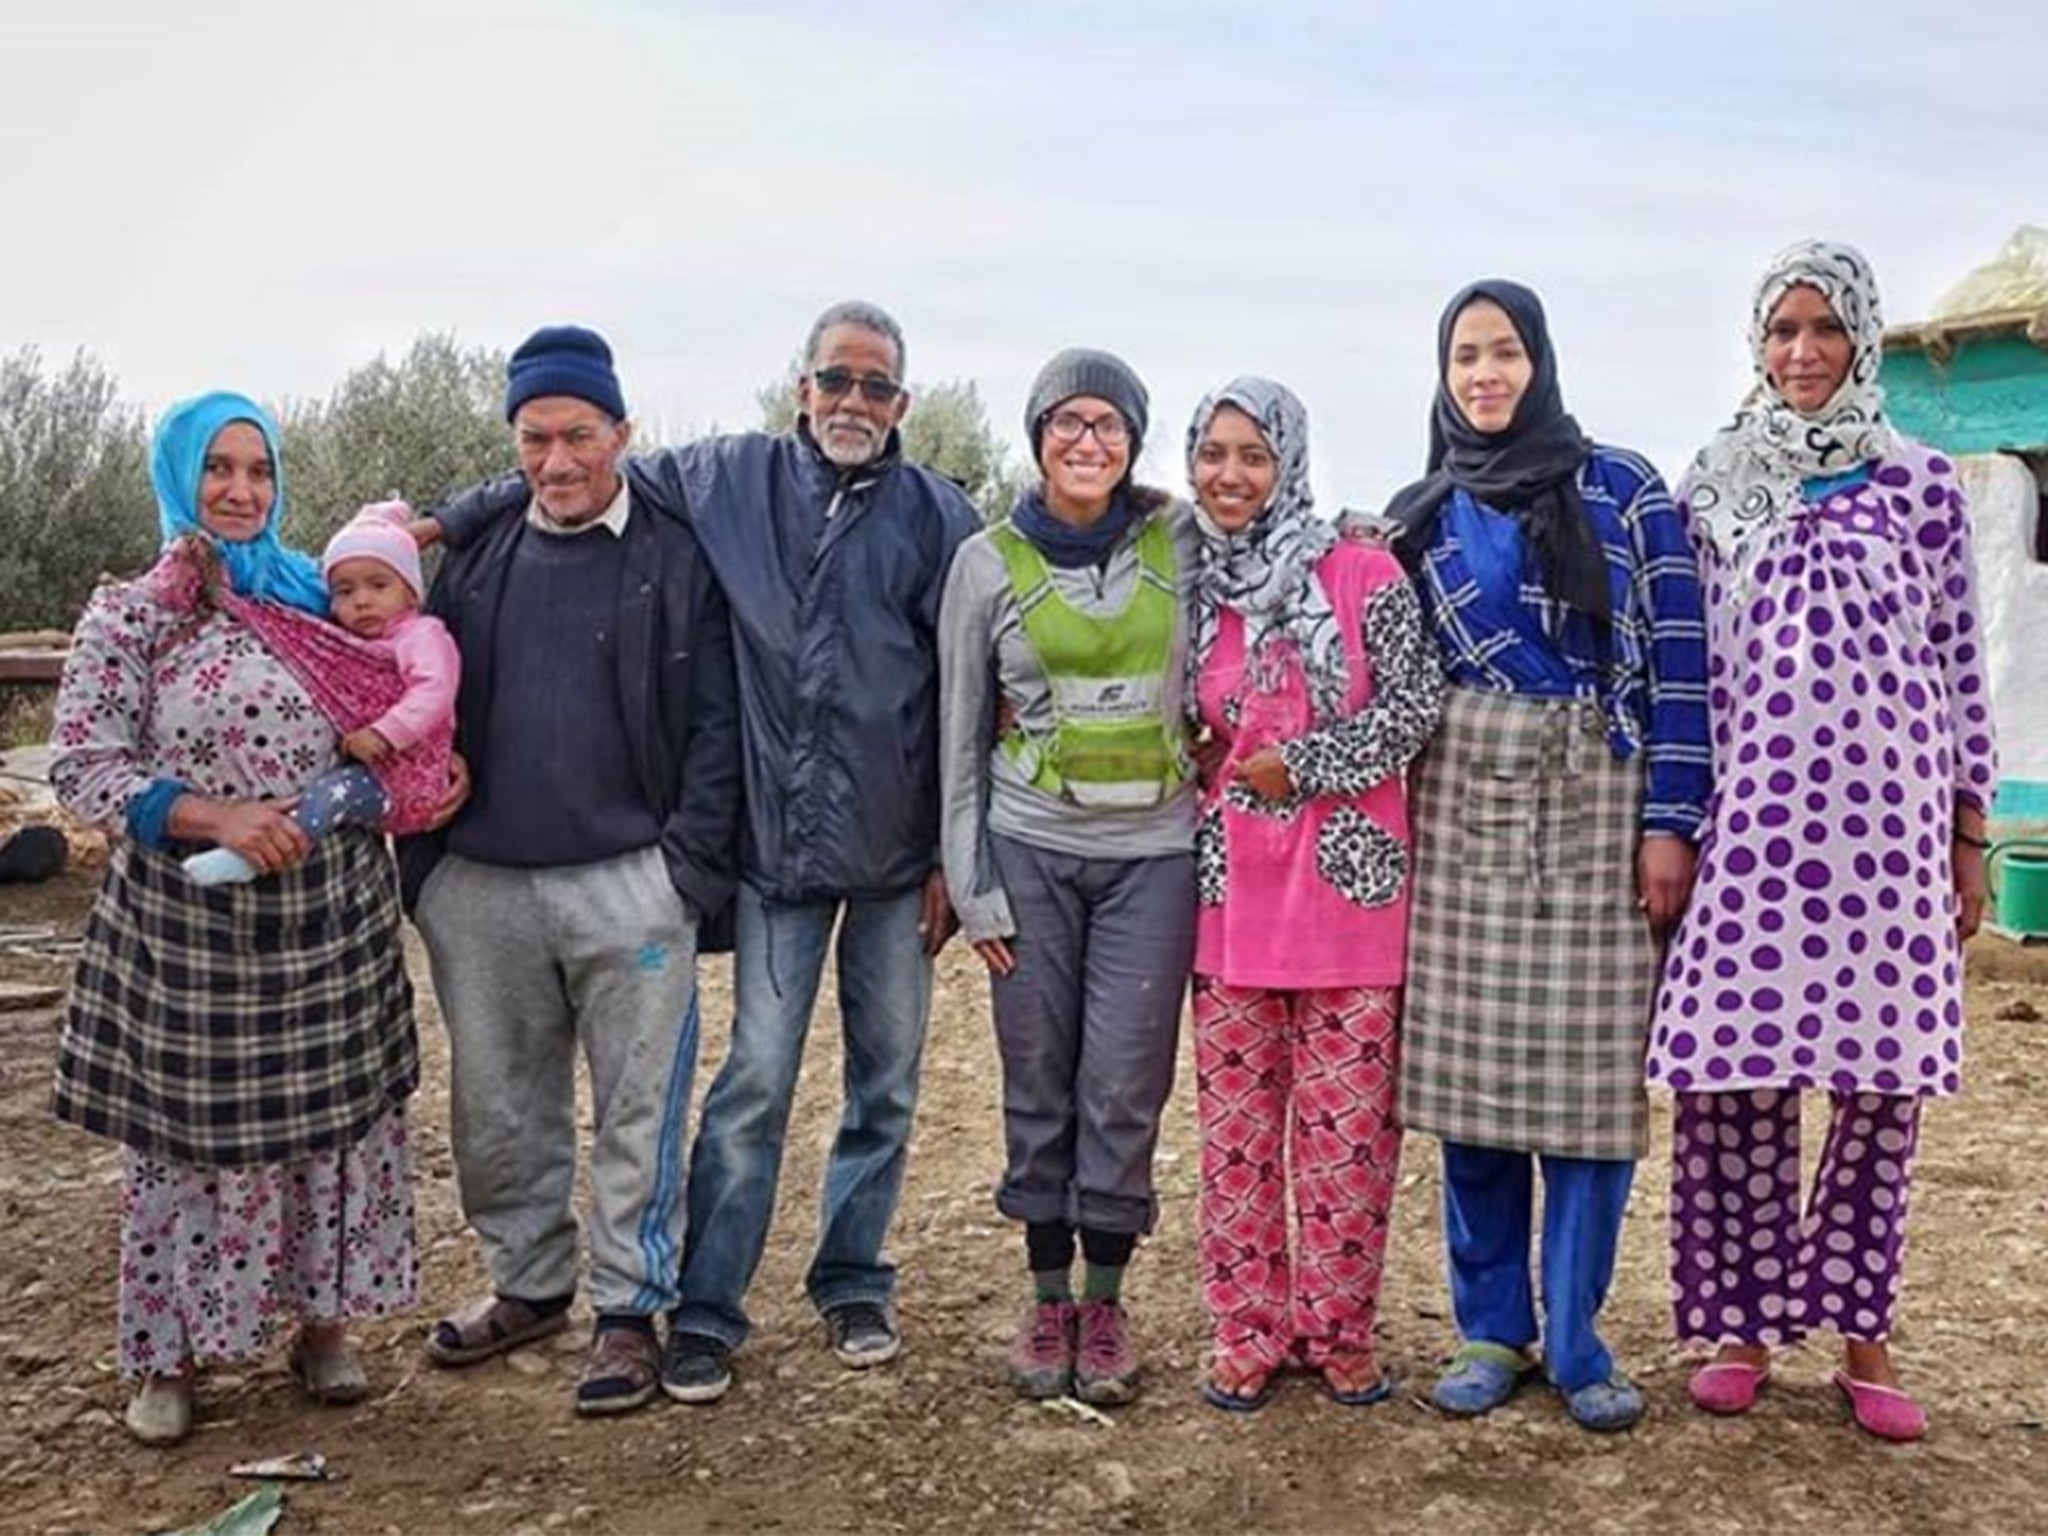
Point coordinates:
pixel 1295 1090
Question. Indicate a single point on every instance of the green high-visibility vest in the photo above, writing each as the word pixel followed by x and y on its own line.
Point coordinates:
pixel 1111 744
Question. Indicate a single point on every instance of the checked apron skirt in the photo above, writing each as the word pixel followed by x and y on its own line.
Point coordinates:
pixel 1531 971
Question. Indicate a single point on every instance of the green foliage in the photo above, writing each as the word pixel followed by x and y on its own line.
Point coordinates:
pixel 75 502
pixel 430 424
pixel 947 429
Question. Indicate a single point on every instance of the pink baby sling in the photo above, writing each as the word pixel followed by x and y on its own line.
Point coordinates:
pixel 352 682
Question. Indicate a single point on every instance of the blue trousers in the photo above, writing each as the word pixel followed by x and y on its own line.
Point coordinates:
pixel 885 994
pixel 1488 1210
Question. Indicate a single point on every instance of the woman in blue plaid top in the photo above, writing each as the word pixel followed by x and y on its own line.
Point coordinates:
pixel 251 1046
pixel 1555 819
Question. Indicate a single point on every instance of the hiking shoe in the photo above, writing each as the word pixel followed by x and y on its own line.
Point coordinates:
pixel 695 1368
pixel 1042 1354
pixel 1105 1363
pixel 1481 1377
pixel 862 1334
pixel 622 1373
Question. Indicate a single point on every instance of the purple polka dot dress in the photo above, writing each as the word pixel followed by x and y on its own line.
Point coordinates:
pixel 1851 714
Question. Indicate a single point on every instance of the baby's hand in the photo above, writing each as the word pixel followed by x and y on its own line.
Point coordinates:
pixel 366 746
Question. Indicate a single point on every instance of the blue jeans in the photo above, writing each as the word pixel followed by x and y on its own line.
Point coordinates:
pixel 885 995
pixel 1488 1200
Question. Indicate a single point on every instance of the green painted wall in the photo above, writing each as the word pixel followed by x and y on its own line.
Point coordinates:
pixel 1991 395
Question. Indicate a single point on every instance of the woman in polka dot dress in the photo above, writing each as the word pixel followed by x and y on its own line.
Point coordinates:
pixel 1843 864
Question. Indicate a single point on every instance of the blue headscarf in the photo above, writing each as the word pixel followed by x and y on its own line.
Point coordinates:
pixel 258 567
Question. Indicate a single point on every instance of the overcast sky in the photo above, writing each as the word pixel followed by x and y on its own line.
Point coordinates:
pixel 265 196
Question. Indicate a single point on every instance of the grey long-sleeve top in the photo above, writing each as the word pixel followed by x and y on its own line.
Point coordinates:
pixel 985 660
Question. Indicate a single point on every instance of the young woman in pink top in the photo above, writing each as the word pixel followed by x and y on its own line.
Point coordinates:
pixel 1316 684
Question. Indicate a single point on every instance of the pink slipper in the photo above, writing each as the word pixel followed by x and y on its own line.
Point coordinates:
pixel 1727 1386
pixel 1885 1412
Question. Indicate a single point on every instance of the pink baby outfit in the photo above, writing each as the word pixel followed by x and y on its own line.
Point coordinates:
pixel 1299 961
pixel 402 684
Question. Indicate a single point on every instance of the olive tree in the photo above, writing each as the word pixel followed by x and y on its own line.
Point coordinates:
pixel 75 502
pixel 420 428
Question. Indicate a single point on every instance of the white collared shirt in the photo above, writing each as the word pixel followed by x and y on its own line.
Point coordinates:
pixel 613 517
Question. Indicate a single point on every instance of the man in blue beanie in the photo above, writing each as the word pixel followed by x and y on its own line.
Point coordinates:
pixel 598 713
pixel 834 551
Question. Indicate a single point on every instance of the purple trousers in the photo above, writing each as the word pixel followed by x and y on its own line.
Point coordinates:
pixel 1746 1266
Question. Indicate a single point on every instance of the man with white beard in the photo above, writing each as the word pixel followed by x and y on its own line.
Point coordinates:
pixel 833 552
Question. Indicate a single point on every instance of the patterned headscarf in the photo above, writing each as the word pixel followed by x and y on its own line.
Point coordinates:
pixel 258 567
pixel 1266 571
pixel 1747 479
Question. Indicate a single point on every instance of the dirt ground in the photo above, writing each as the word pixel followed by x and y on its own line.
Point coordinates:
pixel 937 1442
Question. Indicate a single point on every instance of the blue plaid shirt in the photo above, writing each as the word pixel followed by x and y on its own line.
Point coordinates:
pixel 1498 629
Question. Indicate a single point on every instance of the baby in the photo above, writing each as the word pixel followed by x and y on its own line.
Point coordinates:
pixel 374 587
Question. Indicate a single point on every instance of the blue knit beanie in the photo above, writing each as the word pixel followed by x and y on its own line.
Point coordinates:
pixel 564 360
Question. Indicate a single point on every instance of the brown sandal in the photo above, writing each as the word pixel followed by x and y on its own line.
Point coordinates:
pixel 491 1327
pixel 329 1373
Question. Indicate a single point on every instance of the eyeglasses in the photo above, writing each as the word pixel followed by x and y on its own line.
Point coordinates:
pixel 834 382
pixel 1112 431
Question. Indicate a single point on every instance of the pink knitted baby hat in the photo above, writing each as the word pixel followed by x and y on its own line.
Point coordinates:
pixel 377 532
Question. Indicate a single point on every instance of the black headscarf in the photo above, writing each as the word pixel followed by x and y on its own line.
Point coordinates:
pixel 1530 469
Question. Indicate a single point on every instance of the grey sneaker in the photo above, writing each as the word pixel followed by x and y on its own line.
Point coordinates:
pixel 695 1368
pixel 862 1334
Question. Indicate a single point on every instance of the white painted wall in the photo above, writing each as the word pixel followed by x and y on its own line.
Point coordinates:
pixel 2004 503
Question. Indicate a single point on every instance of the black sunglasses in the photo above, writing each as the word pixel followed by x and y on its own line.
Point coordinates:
pixel 834 382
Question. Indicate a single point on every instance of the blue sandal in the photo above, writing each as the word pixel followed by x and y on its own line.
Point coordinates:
pixel 1480 1377
pixel 1253 1390
pixel 1606 1407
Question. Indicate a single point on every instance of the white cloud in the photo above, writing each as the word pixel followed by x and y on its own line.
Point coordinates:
pixel 267 196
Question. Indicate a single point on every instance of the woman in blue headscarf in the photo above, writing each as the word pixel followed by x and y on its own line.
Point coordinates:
pixel 251 1046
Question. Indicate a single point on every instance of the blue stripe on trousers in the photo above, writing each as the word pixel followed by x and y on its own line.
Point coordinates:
pixel 662 1253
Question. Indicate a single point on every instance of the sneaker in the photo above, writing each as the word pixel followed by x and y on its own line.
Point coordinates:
pixel 1042 1354
pixel 1105 1363
pixel 862 1334
pixel 695 1368
pixel 623 1371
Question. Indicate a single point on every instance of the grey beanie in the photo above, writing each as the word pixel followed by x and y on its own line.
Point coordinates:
pixel 1085 371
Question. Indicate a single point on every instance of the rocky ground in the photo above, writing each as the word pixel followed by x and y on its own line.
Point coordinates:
pixel 936 1442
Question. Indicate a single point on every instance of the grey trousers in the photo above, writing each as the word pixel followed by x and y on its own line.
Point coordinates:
pixel 1087 1026
pixel 528 965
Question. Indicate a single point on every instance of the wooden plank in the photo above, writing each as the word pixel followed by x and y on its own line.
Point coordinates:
pixel 42 667
pixel 15 998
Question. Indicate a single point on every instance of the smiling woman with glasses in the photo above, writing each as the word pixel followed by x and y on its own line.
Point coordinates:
pixel 1068 843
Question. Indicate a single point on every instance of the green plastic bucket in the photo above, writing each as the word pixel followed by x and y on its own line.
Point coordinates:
pixel 2019 882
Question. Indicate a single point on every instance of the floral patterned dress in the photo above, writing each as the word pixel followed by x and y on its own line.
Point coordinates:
pixel 215 1258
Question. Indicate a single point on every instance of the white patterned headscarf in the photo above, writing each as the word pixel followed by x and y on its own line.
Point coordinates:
pixel 1746 481
pixel 1266 571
